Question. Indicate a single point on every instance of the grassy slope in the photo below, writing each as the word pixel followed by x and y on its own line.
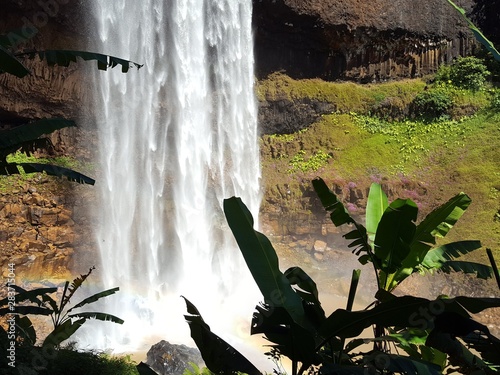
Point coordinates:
pixel 435 161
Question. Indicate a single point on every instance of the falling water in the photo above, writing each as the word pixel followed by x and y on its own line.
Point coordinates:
pixel 175 139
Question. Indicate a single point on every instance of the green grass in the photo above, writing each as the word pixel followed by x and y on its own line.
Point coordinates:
pixel 70 361
pixel 13 182
pixel 427 161
pixel 347 96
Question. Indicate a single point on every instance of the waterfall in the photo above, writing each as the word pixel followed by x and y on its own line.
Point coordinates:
pixel 175 139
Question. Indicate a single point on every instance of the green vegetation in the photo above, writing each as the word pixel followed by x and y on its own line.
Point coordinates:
pixel 432 104
pixel 425 159
pixel 49 357
pixel 292 319
pixel 395 245
pixel 70 361
pixel 26 138
pixel 346 96
pixel 469 73
pixel 300 162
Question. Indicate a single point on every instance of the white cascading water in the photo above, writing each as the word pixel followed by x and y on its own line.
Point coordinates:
pixel 175 139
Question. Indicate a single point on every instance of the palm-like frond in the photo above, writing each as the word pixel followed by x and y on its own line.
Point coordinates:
pixel 97 315
pixel 73 287
pixel 340 216
pixel 443 258
pixel 95 298
pixel 66 57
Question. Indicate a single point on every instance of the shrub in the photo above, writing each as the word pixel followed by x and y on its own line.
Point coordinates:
pixel 431 104
pixel 443 74
pixel 469 73
pixel 495 100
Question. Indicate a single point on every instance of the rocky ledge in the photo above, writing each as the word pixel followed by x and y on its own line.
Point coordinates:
pixel 361 40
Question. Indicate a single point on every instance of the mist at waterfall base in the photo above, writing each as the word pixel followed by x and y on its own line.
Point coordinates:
pixel 175 138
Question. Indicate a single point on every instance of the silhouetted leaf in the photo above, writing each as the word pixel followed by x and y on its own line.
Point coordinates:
pixel 340 216
pixel 262 260
pixel 95 297
pixel 406 311
pixel 288 338
pixel 97 315
pixel 18 135
pixel 144 369
pixel 219 356
pixel 25 329
pixel 63 332
pixel 10 64
pixel 395 232
pixel 51 170
pixel 65 57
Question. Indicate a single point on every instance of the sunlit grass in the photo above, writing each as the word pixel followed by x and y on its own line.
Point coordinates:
pixel 441 157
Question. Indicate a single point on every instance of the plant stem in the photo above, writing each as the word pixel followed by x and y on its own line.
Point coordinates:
pixel 494 266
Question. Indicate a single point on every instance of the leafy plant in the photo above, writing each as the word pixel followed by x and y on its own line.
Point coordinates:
pixel 477 33
pixel 26 137
pixel 432 104
pixel 293 320
pixel 469 73
pixel 64 319
pixel 395 244
pixel 311 164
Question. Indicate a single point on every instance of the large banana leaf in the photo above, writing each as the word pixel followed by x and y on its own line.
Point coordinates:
pixel 50 169
pixel 63 332
pixel 25 330
pixel 436 224
pixel 394 234
pixel 262 260
pixel 28 295
pixel 10 64
pixel 98 316
pixel 26 310
pixel 340 216
pixel 307 290
pixel 376 204
pixel 219 356
pixel 406 311
pixel 397 364
pixel 477 33
pixel 31 131
pixel 287 337
pixel 65 57
pixel 95 297
pixel 442 258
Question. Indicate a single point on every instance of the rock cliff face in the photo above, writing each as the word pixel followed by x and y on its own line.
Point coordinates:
pixel 39 220
pixel 47 91
pixel 360 40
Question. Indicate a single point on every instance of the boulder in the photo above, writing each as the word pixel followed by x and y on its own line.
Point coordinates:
pixel 166 358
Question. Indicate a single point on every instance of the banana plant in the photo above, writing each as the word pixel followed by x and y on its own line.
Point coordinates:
pixel 65 320
pixel 25 137
pixel 477 33
pixel 395 244
pixel 11 60
pixel 308 337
